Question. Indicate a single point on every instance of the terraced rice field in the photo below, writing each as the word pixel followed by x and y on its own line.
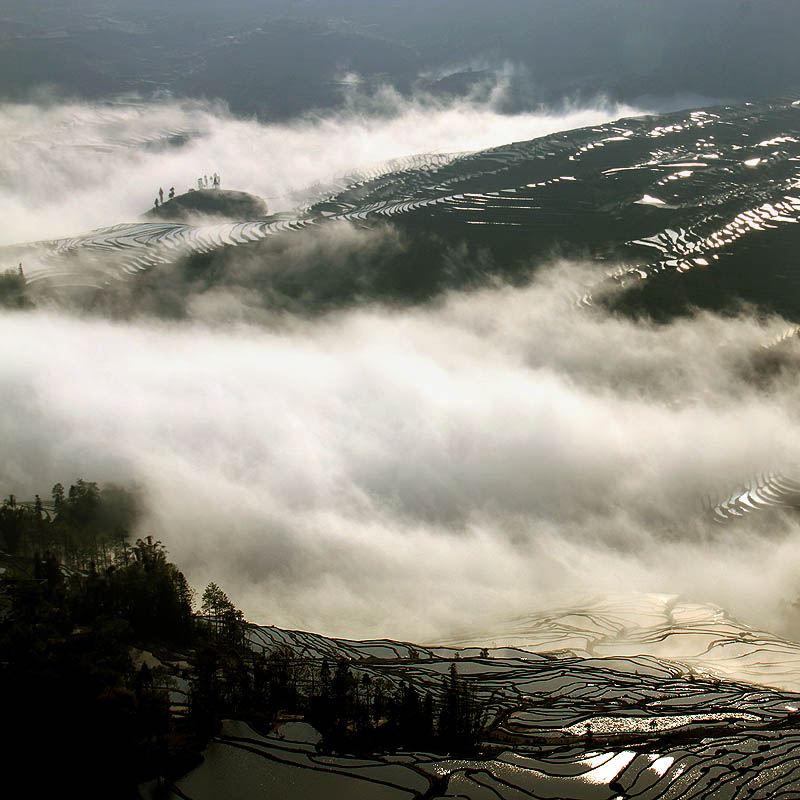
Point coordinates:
pixel 708 708
pixel 660 195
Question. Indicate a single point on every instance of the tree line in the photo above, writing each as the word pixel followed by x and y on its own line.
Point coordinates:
pixel 79 527
pixel 78 598
pixel 355 711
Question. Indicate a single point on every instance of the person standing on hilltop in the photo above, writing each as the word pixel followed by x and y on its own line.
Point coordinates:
pixel 161 195
pixel 171 192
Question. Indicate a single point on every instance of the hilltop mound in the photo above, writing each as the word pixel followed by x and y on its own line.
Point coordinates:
pixel 211 202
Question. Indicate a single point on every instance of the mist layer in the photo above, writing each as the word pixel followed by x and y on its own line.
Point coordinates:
pixel 400 472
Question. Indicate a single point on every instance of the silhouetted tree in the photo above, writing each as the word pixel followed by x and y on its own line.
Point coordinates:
pixel 205 694
pixel 461 719
pixel 227 620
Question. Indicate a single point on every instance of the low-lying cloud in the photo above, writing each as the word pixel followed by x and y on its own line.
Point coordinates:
pixel 406 472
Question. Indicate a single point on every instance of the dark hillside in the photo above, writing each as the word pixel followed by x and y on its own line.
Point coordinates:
pixel 211 202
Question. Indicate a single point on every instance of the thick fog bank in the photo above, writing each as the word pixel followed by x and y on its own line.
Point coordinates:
pixel 388 473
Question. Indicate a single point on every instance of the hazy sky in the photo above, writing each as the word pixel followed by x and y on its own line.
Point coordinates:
pixel 281 58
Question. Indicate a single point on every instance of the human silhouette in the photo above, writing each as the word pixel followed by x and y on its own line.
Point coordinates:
pixel 171 192
pixel 161 194
pixel 155 202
